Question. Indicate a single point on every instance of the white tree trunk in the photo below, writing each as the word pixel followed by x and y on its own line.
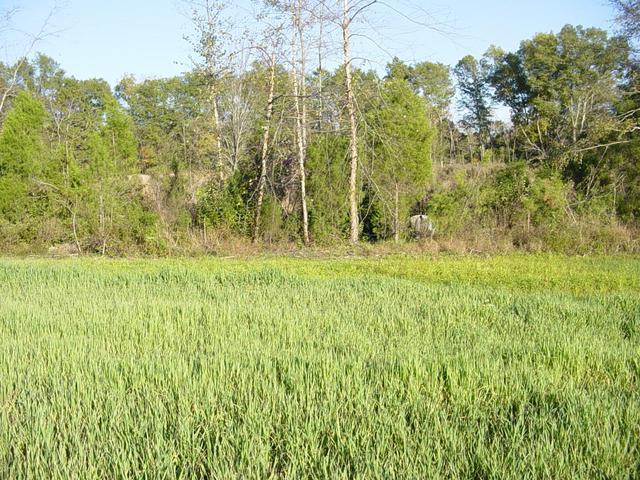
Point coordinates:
pixel 265 149
pixel 353 129
pixel 396 216
pixel 216 121
pixel 299 90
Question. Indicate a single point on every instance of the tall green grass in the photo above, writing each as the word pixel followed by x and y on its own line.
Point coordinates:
pixel 508 367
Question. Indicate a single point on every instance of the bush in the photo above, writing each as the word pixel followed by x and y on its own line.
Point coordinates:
pixel 504 193
pixel 449 210
pixel 225 207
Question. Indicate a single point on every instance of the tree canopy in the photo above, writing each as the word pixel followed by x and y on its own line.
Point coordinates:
pixel 255 143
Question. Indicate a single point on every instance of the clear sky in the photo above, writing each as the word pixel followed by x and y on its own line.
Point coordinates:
pixel 108 38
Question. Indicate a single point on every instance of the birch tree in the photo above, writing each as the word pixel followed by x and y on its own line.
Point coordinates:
pixel 354 230
pixel 269 50
pixel 297 11
pixel 9 89
pixel 210 44
pixel 298 61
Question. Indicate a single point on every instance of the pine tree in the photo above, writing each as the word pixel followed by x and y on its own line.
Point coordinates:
pixel 21 155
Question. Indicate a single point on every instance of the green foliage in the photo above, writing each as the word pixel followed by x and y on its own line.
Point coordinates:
pixel 374 227
pixel 560 88
pixel 398 153
pixel 328 187
pixel 449 210
pixel 153 166
pixel 505 192
pixel 22 158
pixel 472 77
pixel 628 199
pixel 21 137
pixel 532 204
pixel 273 226
pixel 549 196
pixel 171 119
pixel 430 80
pixel 226 207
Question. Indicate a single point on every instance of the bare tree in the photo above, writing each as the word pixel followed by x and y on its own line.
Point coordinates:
pixel 347 19
pixel 237 113
pixel 321 32
pixel 306 15
pixel 210 41
pixel 33 40
pixel 298 70
pixel 5 18
pixel 266 130
pixel 274 39
pixel 628 17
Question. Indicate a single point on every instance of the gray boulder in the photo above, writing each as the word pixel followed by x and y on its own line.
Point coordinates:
pixel 63 250
pixel 422 226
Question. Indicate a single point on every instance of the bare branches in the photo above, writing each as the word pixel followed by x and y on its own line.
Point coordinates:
pixel 360 9
pixel 212 36
pixel 6 17
pixel 436 27
pixel 34 40
pixel 628 17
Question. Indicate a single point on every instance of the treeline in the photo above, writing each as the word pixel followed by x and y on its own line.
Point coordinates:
pixel 263 143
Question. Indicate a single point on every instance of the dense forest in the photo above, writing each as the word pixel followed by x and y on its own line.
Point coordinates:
pixel 274 138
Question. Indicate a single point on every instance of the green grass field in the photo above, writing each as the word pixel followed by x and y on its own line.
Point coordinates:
pixel 462 367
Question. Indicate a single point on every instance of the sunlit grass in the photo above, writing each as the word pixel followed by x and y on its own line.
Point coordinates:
pixel 505 367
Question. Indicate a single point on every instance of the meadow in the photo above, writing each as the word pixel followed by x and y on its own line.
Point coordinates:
pixel 401 367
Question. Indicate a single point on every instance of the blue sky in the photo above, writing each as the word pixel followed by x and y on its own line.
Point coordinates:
pixel 108 38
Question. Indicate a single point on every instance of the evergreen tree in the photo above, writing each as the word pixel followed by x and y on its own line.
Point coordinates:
pixel 400 138
pixel 22 157
pixel 475 98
